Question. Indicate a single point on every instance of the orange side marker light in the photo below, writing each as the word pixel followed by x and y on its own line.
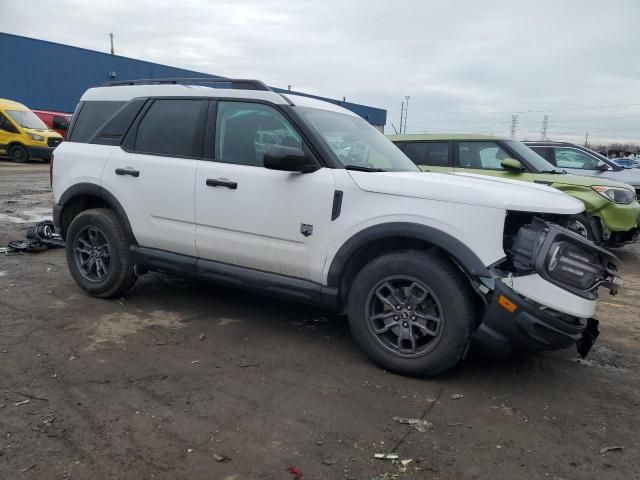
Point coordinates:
pixel 507 304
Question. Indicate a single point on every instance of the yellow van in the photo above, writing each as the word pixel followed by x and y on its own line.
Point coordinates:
pixel 23 136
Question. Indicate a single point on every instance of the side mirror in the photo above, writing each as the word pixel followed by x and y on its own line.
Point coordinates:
pixel 60 123
pixel 512 164
pixel 288 159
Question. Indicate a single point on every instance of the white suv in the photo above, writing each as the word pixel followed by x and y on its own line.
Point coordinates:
pixel 295 197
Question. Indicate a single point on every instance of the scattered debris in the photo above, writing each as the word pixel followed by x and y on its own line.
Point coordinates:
pixel 386 456
pixel 32 397
pixel 40 237
pixel 610 449
pixel 456 396
pixel 119 301
pixel 417 423
pixel 406 462
pixel 221 458
pixel 189 450
pixel 247 365
pixel 328 461
pixel 49 419
pixel 23 402
pixel 72 358
pixel 30 467
pixel 295 472
pixel 201 337
pixel 195 361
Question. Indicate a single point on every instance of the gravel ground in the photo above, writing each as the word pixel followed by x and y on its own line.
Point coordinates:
pixel 184 380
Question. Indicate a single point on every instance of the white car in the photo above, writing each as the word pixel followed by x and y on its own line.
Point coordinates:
pixel 180 178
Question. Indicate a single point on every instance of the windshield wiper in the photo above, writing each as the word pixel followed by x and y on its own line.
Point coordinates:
pixel 359 168
pixel 554 172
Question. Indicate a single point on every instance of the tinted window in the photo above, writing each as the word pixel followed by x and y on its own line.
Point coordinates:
pixel 572 158
pixel 481 155
pixel 92 115
pixel 244 131
pixel 6 125
pixel 172 127
pixel 435 154
pixel 544 152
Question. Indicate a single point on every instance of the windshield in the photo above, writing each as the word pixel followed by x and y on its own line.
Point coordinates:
pixel 27 119
pixel 356 143
pixel 532 158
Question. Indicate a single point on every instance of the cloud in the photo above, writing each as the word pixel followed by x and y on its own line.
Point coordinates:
pixel 448 56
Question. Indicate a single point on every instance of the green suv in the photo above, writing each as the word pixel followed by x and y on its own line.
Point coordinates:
pixel 611 209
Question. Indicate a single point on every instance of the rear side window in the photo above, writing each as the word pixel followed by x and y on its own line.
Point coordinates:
pixel 91 116
pixel 172 127
pixel 544 152
pixel 434 154
pixel 481 155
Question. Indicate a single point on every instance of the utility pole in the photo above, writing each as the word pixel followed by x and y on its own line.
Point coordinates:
pixel 406 111
pixel 401 115
pixel 111 38
pixel 514 125
pixel 545 123
pixel 586 140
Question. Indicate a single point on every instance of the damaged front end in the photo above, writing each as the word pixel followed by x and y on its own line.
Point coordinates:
pixel 545 291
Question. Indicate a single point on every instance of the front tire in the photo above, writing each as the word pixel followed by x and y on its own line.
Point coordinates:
pixel 97 252
pixel 412 313
pixel 18 154
pixel 583 225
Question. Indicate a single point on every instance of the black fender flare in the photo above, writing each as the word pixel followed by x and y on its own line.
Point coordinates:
pixel 460 252
pixel 95 190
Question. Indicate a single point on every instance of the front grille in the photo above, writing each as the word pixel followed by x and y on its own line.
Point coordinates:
pixel 54 142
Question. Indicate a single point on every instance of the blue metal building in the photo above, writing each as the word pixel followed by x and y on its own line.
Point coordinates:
pixel 52 76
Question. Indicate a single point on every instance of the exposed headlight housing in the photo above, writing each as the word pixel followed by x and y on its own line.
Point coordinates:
pixel 620 195
pixel 565 259
pixel 36 137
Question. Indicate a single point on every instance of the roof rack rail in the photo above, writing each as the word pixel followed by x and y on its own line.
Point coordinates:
pixel 236 83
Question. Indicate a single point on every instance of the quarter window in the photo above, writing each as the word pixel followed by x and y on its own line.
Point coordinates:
pixel 572 158
pixel 92 115
pixel 244 132
pixel 173 128
pixel 435 154
pixel 481 155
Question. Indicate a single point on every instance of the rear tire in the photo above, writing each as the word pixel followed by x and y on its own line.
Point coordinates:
pixel 97 251
pixel 412 313
pixel 18 154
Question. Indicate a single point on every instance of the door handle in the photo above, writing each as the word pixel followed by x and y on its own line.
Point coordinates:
pixel 221 182
pixel 127 171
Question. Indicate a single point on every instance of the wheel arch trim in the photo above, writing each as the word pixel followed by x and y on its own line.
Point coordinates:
pixel 460 252
pixel 87 188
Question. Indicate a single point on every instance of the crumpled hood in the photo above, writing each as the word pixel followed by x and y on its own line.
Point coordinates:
pixel 471 189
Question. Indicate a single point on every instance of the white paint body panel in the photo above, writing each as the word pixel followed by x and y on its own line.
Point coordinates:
pixel 546 293
pixel 258 224
pixel 159 203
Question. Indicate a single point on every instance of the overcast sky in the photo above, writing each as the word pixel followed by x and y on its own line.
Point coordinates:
pixel 467 65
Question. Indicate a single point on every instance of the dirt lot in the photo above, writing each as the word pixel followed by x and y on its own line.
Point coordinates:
pixel 156 384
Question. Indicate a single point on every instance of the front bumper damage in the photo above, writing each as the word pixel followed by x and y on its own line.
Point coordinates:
pixel 547 299
pixel 512 323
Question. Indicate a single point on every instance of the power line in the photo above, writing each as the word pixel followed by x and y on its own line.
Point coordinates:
pixel 572 109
